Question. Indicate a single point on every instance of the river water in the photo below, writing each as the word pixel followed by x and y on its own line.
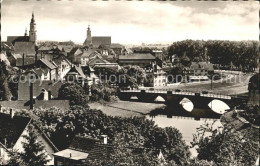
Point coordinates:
pixel 186 122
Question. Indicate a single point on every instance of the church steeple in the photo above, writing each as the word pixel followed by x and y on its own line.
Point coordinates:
pixel 25 33
pixel 32 32
pixel 89 37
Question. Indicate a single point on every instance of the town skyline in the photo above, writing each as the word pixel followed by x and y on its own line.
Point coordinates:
pixel 133 22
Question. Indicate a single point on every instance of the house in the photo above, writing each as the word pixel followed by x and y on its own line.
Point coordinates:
pixel 157 76
pixel 81 56
pixel 157 54
pixel 13 128
pixel 199 71
pixel 63 66
pixel 139 59
pixel 83 75
pixel 117 48
pixel 84 149
pixel 47 66
pixel 13 59
pixel 74 53
pixel 99 62
pixel 4 59
pixel 7 48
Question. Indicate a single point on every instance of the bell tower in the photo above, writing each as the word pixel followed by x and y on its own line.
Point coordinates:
pixel 32 32
pixel 89 38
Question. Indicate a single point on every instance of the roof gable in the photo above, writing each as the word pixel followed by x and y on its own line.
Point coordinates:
pixel 12 128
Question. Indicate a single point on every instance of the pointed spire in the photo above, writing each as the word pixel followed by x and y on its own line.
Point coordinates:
pixel 32 20
pixel 25 33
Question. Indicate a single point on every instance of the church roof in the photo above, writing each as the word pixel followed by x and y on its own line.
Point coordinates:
pixel 14 39
pixel 27 48
pixel 99 40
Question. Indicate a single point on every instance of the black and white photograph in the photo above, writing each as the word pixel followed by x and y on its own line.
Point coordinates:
pixel 129 83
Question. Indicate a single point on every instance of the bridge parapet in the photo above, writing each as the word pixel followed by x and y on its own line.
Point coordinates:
pixel 180 92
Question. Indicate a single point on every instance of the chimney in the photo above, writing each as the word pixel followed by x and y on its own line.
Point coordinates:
pixel 23 59
pixel 36 57
pixel 49 94
pixel 104 139
pixel 11 113
pixel 70 155
pixel 31 95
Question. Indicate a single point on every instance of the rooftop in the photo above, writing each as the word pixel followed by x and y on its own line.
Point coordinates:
pixel 72 154
pixel 11 128
pixel 137 56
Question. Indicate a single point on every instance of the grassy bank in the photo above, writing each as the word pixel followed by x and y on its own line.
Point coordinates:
pixel 126 108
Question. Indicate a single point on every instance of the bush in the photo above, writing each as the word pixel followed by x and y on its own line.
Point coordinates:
pixel 74 93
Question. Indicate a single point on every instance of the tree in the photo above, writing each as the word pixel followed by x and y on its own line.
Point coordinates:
pixel 5 93
pixel 34 153
pixel 132 76
pixel 74 93
pixel 227 147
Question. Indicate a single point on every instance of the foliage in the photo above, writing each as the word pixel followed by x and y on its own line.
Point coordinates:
pixel 33 150
pixel 5 93
pixel 74 93
pixel 33 153
pixel 102 92
pixel 251 113
pixel 241 54
pixel 131 76
pixel 226 147
pixel 63 125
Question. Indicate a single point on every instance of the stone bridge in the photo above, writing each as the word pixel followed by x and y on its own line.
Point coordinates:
pixel 199 99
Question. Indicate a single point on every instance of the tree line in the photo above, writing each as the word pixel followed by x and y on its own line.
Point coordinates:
pixel 240 55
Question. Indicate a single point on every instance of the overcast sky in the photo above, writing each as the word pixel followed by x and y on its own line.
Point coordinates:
pixel 132 22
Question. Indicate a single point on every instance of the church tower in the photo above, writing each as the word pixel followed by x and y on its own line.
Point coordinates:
pixel 89 38
pixel 32 32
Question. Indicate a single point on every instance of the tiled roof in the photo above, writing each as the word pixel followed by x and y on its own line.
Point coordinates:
pixel 78 70
pixel 137 56
pixel 24 48
pixel 59 59
pixel 87 53
pixel 16 56
pixel 48 64
pixel 92 147
pixel 45 48
pixel 14 39
pixel 7 46
pixel 11 128
pixel 72 154
pixel 98 40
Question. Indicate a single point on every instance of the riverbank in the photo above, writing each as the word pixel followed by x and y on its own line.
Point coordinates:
pixel 126 108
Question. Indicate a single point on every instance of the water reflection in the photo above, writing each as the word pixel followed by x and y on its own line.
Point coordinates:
pixel 186 122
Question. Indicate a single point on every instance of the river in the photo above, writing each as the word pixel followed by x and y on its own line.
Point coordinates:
pixel 186 122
